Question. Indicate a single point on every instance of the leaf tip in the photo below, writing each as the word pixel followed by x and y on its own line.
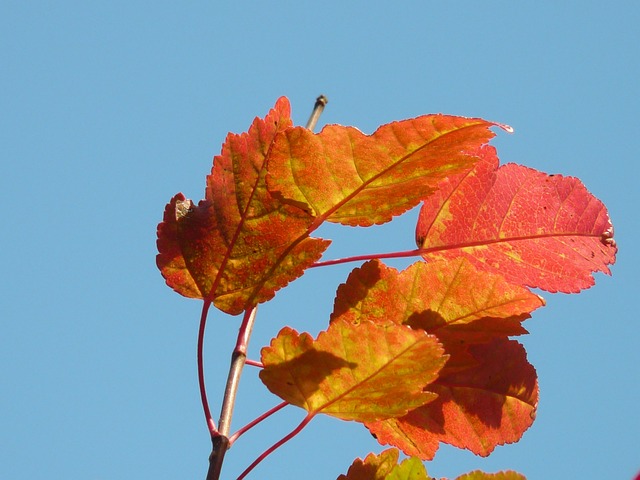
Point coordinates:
pixel 503 126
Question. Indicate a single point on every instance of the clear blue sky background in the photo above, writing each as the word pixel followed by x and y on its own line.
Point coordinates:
pixel 109 108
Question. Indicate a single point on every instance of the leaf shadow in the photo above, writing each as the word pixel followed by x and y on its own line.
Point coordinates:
pixel 427 320
pixel 476 358
pixel 304 374
pixel 499 370
pixel 356 288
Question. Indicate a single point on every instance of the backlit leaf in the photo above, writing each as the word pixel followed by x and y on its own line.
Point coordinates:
pixel 171 259
pixel 362 372
pixel 373 467
pixel 239 245
pixel 539 230
pixel 410 469
pixel 490 404
pixel 344 176
pixel 452 296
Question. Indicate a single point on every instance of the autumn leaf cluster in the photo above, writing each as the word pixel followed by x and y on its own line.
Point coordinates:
pixel 419 356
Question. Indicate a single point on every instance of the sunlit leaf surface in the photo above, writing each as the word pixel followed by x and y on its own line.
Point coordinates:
pixel 345 176
pixel 360 372
pixel 539 230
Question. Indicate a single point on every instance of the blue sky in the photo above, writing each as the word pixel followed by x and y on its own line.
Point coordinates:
pixel 107 109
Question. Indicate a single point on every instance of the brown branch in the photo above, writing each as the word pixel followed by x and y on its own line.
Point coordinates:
pixel 321 102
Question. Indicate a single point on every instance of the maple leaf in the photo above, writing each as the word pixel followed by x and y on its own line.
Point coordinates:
pixel 373 467
pixel 440 297
pixel 360 372
pixel 478 408
pixel 344 176
pixel 539 230
pixel 240 244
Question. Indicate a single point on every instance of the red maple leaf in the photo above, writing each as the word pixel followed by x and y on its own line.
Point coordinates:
pixel 240 244
pixel 477 408
pixel 539 230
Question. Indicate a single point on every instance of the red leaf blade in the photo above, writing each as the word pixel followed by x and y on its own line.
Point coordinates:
pixel 171 260
pixel 452 296
pixel 477 408
pixel 539 230
pixel 240 245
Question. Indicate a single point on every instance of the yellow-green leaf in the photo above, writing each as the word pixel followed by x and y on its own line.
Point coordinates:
pixel 362 372
pixel 344 176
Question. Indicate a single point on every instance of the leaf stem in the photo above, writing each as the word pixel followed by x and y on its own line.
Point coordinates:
pixel 203 391
pixel 321 102
pixel 277 445
pixel 403 254
pixel 220 440
pixel 439 248
pixel 256 421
